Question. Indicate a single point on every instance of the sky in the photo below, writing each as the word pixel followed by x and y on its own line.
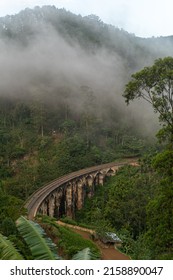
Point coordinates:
pixel 144 18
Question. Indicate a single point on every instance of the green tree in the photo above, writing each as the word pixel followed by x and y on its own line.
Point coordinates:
pixel 10 207
pixel 155 85
pixel 8 226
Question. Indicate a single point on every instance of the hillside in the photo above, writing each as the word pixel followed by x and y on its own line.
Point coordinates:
pixel 62 77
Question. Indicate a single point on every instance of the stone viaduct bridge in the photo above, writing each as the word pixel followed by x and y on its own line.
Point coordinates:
pixel 66 194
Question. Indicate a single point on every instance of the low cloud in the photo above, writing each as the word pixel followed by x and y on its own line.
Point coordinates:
pixel 49 63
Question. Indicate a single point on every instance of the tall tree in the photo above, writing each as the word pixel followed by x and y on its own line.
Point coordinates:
pixel 155 85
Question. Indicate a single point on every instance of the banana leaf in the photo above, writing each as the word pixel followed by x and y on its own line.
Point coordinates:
pixel 41 247
pixel 8 250
pixel 85 254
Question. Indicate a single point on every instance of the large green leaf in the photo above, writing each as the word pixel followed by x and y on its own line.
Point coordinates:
pixel 41 247
pixel 7 250
pixel 85 254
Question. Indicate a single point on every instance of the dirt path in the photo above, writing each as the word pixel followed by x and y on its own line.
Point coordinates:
pixel 107 252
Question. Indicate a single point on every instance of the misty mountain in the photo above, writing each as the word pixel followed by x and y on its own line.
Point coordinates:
pixel 56 57
pixel 89 32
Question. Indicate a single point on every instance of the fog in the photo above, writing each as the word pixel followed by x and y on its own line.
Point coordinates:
pixel 48 57
pixel 48 63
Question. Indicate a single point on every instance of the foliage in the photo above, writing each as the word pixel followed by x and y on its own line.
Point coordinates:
pixel 85 254
pixel 68 220
pixel 72 242
pixel 69 243
pixel 21 245
pixel 163 163
pixel 41 248
pixel 10 209
pixel 8 226
pixel 7 250
pixel 75 222
pixel 115 206
pixel 160 210
pixel 155 85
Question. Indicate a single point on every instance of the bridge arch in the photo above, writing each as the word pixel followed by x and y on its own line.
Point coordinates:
pixel 110 172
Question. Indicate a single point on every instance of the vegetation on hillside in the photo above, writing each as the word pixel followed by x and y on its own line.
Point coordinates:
pixel 138 202
pixel 61 109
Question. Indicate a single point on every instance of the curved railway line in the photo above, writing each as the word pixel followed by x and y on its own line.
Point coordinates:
pixel 34 201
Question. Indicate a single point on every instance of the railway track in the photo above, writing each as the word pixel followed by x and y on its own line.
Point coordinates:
pixel 34 201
